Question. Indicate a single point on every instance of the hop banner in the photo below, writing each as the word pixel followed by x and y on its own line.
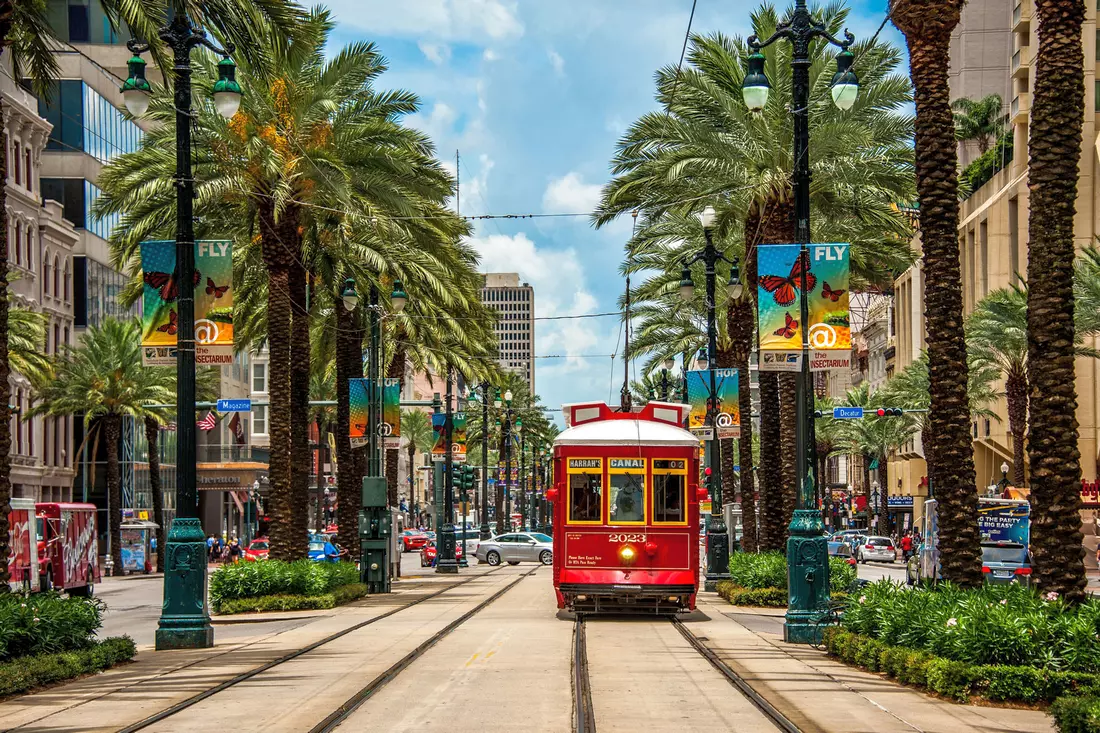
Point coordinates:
pixel 439 422
pixel 728 419
pixel 213 302
pixel 389 430
pixel 779 289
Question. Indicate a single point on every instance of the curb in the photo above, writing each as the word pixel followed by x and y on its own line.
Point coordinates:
pixel 227 621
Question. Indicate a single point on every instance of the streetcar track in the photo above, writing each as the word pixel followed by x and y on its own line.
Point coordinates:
pixel 780 720
pixel 338 716
pixel 237 679
pixel 584 715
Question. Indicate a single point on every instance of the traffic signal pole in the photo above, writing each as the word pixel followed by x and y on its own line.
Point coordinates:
pixel 446 562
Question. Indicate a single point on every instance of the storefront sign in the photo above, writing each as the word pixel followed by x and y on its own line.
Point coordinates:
pixel 898 502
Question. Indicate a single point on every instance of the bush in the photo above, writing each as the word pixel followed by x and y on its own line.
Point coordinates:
pixel 950 679
pixel 1076 714
pixel 762 597
pixel 285 602
pixel 985 166
pixel 275 577
pixel 46 622
pixel 36 670
pixel 758 570
pixel 995 625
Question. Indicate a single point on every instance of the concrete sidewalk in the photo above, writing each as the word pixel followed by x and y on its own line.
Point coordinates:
pixel 822 695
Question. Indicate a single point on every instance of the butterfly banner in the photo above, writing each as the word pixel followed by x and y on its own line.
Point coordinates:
pixel 213 302
pixel 389 430
pixel 779 290
pixel 458 437
pixel 728 419
pixel 439 451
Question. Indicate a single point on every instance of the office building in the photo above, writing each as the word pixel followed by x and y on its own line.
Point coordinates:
pixel 515 328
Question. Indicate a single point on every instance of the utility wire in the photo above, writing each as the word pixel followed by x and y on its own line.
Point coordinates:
pixel 683 52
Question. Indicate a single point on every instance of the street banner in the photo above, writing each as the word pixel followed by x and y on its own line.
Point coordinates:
pixel 728 419
pixel 359 412
pixel 389 430
pixel 779 291
pixel 213 302
pixel 439 451
pixel 458 437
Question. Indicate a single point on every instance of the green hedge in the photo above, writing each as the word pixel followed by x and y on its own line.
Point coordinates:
pixel 738 596
pixel 37 670
pixel 285 602
pixel 954 679
pixel 1076 714
pixel 994 625
pixel 275 577
pixel 46 622
pixel 768 570
pixel 986 165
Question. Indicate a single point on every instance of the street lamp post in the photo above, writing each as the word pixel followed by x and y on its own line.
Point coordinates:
pixel 524 516
pixel 447 562
pixel 666 372
pixel 505 522
pixel 807 548
pixel 484 532
pixel 185 618
pixel 717 534
pixel 1004 479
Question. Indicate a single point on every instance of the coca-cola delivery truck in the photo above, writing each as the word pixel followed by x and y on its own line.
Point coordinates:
pixel 53 546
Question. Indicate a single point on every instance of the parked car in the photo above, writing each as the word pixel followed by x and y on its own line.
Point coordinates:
pixel 412 540
pixel 257 549
pixel 1006 562
pixel 838 541
pixel 517 547
pixel 877 549
pixel 429 552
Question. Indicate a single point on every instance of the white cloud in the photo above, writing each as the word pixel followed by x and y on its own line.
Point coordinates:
pixel 557 62
pixel 437 53
pixel 451 20
pixel 439 121
pixel 570 194
pixel 490 55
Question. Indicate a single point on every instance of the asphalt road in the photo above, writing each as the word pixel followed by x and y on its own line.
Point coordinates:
pixel 878 570
pixel 134 603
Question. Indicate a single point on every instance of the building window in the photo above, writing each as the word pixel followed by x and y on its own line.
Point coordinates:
pixel 78 23
pixel 259 376
pixel 56 336
pixel 18 177
pixel 66 332
pixel 46 271
pixel 30 251
pixel 19 423
pixel 259 419
pixel 18 244
pixel 30 172
pixel 1096 97
pixel 1013 240
pixel 67 280
pixel 56 267
pixel 69 192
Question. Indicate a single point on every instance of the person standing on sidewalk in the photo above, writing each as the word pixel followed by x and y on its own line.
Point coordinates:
pixel 906 546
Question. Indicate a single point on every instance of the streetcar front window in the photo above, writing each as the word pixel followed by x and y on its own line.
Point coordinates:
pixel 585 497
pixel 627 497
pixel 668 497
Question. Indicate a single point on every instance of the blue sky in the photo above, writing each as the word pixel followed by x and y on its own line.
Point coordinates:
pixel 535 93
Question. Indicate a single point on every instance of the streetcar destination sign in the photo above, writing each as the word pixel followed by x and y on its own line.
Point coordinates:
pixel 628 463
pixel 584 462
pixel 847 413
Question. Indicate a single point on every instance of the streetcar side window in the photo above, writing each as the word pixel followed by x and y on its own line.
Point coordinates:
pixel 669 491
pixel 586 490
pixel 627 498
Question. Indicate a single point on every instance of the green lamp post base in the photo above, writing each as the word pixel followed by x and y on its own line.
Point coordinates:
pixel 807 578
pixel 185 618
pixel 718 553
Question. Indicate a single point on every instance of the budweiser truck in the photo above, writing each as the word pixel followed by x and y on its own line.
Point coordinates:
pixel 23 544
pixel 68 547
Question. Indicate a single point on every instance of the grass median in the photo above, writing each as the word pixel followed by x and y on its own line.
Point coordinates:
pixel 274 585
pixel 759 579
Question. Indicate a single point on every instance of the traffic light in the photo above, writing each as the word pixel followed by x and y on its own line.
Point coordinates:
pixel 889 412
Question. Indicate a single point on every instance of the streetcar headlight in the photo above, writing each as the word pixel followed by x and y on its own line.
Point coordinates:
pixel 627 554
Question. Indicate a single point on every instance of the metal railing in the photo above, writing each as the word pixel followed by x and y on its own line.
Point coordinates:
pixel 232 454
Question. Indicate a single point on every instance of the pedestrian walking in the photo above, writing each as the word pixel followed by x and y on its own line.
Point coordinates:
pixel 234 550
pixel 210 548
pixel 906 546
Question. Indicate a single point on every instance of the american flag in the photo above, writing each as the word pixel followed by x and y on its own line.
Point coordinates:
pixel 208 423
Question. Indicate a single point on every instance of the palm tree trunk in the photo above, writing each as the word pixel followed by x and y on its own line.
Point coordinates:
pixel 927 25
pixel 5 371
pixel 1016 397
pixel 724 359
pixel 740 326
pixel 788 439
pixel 299 400
pixel 112 429
pixel 1054 149
pixel 347 476
pixel 412 483
pixel 771 469
pixel 318 514
pixel 284 541
pixel 396 371
pixel 152 438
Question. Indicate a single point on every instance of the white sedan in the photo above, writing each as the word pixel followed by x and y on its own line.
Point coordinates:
pixel 516 547
pixel 877 549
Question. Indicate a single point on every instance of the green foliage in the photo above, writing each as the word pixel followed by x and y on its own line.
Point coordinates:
pixel 286 602
pixel 26 673
pixel 276 577
pixel 978 173
pixel 768 570
pixel 46 622
pixel 994 625
pixel 1076 714
pixel 757 597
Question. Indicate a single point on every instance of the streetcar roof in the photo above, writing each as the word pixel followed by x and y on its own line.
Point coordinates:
pixel 658 423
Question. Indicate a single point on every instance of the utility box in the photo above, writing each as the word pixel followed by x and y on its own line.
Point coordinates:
pixel 375 532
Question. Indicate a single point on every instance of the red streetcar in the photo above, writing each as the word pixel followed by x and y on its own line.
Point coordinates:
pixel 626 510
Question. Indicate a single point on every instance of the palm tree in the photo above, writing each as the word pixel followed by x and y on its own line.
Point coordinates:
pixel 927 25
pixel 312 137
pixel 104 379
pixel 996 334
pixel 26 343
pixel 981 121
pixel 1054 145
pixel 416 431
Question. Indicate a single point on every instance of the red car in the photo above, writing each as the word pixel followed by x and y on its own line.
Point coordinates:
pixel 412 539
pixel 257 550
pixel 428 553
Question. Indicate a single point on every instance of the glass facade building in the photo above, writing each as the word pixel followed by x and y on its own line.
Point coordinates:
pixel 85 121
pixel 97 288
pixel 77 196
pixel 82 21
